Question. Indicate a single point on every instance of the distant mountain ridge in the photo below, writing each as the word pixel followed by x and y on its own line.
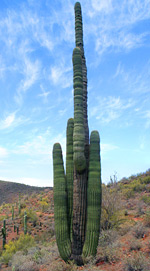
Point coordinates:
pixel 10 190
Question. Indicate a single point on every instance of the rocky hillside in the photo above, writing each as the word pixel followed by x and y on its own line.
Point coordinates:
pixel 11 190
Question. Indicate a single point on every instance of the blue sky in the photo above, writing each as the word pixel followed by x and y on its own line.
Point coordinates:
pixel 36 84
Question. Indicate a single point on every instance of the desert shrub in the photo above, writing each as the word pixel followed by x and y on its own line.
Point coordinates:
pixel 107 237
pixel 137 262
pixel 29 266
pixel 135 244
pixel 22 262
pixel 111 204
pixel 136 185
pixel 22 205
pixel 148 245
pixel 61 266
pixel 108 246
pixel 140 208
pixel 146 180
pixel 128 193
pixel 147 219
pixel 2 217
pixel 44 204
pixel 139 230
pixel 109 253
pixel 146 199
pixel 12 247
pixel 125 228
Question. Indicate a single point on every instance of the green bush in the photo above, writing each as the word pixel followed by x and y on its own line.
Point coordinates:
pixel 137 185
pixel 146 180
pixel 24 242
pixel 128 193
pixel 146 199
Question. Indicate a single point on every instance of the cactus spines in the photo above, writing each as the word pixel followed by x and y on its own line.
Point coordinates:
pixel 69 172
pixel 78 133
pixel 25 223
pixel 93 197
pixel 60 206
pixel 77 194
pixel 4 233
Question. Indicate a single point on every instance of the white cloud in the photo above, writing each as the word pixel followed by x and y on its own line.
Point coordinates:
pixel 40 146
pixel 44 94
pixel 61 75
pixel 114 29
pixel 31 73
pixel 12 121
pixel 3 152
pixel 117 41
pixel 110 108
pixel 8 121
pixel 102 5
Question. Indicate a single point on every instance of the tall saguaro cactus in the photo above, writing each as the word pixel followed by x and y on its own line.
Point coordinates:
pixel 4 233
pixel 77 192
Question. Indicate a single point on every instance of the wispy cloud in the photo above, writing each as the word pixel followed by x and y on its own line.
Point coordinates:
pixel 44 94
pixel 110 108
pixel 31 73
pixel 113 25
pixel 8 121
pixel 61 75
pixel 102 5
pixel 40 145
pixel 135 82
pixel 11 120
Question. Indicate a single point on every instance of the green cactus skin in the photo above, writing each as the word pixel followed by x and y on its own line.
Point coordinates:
pixel 93 197
pixel 60 205
pixel 25 223
pixel 19 205
pixel 4 233
pixel 79 43
pixel 77 195
pixel 19 208
pixel 69 172
pixel 17 229
pixel 78 133
pixel 12 211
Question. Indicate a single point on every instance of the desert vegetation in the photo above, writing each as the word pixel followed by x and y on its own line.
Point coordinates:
pixel 124 241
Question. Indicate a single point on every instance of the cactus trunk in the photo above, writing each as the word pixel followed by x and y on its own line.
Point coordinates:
pixel 4 233
pixel 77 194
pixel 25 223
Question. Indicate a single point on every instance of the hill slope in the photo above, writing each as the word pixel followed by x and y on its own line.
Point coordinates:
pixel 10 190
